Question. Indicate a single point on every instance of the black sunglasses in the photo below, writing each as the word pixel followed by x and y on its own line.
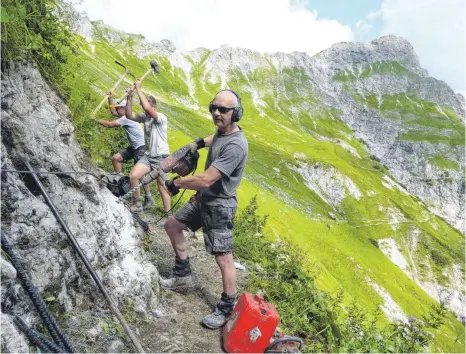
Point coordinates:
pixel 221 109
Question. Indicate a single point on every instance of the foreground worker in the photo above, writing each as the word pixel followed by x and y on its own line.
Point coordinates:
pixel 214 206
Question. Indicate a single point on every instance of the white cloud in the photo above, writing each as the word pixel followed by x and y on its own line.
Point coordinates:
pixel 363 27
pixel 436 29
pixel 372 15
pixel 262 25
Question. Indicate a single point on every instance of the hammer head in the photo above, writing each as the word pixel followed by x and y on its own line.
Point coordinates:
pixel 155 66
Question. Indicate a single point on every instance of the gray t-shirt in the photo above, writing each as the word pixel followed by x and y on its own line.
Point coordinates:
pixel 156 131
pixel 133 131
pixel 228 154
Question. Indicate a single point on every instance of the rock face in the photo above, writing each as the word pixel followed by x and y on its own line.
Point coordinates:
pixel 12 340
pixel 452 296
pixel 36 127
pixel 328 183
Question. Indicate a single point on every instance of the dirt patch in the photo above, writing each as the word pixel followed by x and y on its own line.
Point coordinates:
pixel 176 326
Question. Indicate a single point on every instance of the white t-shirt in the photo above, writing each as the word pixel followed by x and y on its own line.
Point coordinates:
pixel 133 132
pixel 156 130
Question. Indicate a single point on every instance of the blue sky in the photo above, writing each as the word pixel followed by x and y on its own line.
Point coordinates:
pixel 350 12
pixel 435 28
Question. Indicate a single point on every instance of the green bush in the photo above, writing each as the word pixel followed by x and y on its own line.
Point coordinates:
pixel 33 30
pixel 359 334
pixel 281 277
pixel 439 258
pixel 436 316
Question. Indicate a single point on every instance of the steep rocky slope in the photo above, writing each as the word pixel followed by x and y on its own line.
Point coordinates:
pixel 36 127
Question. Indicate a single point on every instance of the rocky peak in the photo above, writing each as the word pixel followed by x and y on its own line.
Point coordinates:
pixel 383 49
pixel 81 25
pixel 146 48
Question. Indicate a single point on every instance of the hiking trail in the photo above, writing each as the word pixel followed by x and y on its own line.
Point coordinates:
pixel 177 327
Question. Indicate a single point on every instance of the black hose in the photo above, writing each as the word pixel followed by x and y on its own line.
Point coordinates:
pixel 37 339
pixel 57 335
pixel 83 257
pixel 270 348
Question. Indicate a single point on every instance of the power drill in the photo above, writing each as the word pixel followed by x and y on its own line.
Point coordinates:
pixel 182 162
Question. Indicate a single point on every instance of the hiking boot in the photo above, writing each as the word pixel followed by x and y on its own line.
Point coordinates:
pixel 137 205
pixel 136 208
pixel 215 320
pixel 177 282
pixel 221 313
pixel 148 203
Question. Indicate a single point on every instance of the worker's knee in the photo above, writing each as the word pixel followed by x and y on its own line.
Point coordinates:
pixel 117 157
pixel 225 260
pixel 137 172
pixel 133 175
pixel 173 226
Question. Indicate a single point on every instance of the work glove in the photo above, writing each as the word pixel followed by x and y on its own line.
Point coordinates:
pixel 170 185
pixel 197 144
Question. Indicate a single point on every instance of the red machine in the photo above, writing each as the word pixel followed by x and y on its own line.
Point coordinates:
pixel 251 328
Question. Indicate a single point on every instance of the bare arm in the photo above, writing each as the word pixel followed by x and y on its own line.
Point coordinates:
pixel 144 102
pixel 111 103
pixel 208 140
pixel 199 181
pixel 129 107
pixel 113 110
pixel 109 123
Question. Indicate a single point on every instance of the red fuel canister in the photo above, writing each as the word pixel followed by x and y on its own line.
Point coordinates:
pixel 250 326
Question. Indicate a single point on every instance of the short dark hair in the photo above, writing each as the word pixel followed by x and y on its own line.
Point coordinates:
pixel 152 100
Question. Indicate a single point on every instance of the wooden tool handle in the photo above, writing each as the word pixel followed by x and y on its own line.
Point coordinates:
pixel 146 74
pixel 106 96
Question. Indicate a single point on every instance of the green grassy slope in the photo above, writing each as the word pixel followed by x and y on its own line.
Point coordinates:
pixel 291 127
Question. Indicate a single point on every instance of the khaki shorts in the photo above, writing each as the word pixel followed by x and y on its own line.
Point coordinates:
pixel 216 221
pixel 151 162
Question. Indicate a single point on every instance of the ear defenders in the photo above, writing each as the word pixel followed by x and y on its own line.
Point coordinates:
pixel 238 111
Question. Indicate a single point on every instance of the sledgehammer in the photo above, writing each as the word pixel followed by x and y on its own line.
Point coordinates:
pixel 112 89
pixel 153 66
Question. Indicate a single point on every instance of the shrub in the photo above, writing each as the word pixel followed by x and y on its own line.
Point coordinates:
pixel 33 30
pixel 439 258
pixel 435 318
pixel 374 242
pixel 284 281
